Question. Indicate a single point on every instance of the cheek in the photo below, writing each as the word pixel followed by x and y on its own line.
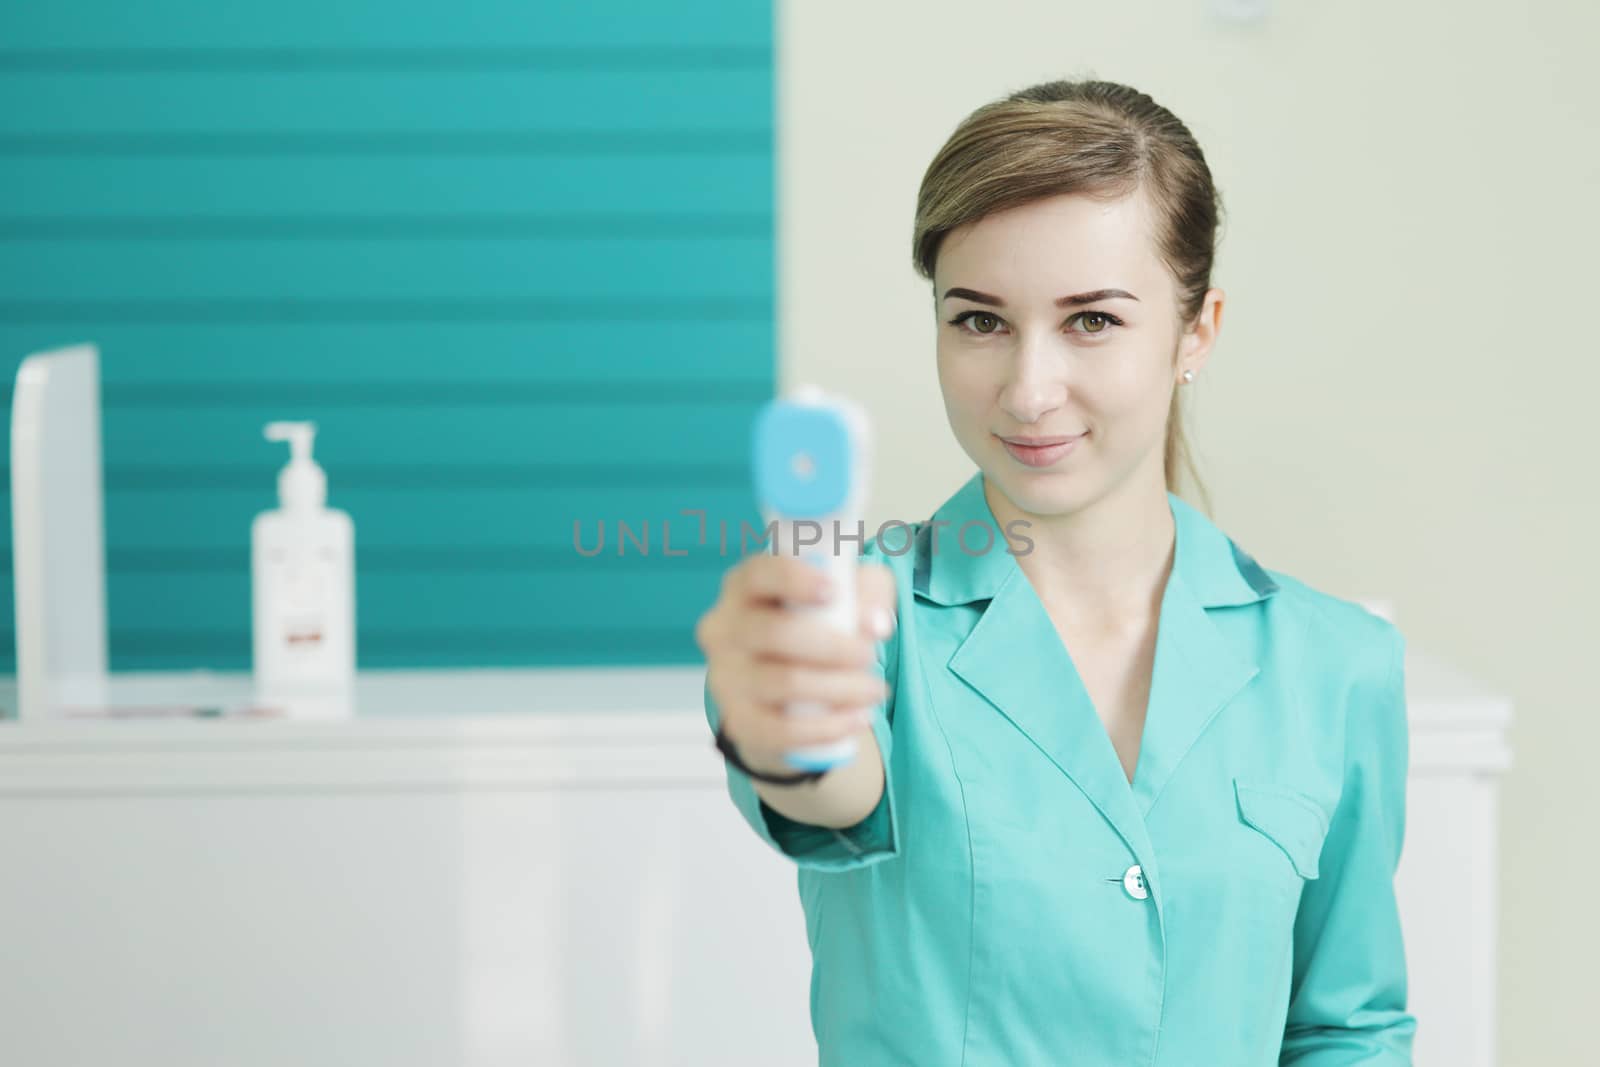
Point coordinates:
pixel 1134 393
pixel 966 386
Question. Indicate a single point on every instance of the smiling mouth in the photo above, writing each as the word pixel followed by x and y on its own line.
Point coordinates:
pixel 1040 442
pixel 1042 455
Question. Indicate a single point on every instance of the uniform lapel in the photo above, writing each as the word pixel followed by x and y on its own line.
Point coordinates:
pixel 1198 667
pixel 1014 659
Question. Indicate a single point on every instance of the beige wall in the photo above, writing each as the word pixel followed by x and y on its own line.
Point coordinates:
pixel 1407 353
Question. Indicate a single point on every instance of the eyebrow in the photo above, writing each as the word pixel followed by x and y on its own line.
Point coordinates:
pixel 1065 301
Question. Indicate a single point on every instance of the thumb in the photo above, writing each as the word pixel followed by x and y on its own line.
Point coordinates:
pixel 875 599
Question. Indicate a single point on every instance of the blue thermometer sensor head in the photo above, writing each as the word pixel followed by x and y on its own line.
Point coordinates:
pixel 802 458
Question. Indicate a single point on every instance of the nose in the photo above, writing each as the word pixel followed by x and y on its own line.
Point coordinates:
pixel 1035 386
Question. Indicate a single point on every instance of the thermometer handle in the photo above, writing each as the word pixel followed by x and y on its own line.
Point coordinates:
pixel 838 562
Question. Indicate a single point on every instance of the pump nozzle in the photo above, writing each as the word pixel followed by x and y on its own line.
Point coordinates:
pixel 301 483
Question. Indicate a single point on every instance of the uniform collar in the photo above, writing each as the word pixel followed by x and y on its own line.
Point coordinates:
pixel 954 568
pixel 1011 656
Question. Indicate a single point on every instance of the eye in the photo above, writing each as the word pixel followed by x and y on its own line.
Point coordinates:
pixel 1100 316
pixel 1104 318
pixel 965 315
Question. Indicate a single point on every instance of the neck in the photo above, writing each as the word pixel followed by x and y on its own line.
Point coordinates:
pixel 1102 568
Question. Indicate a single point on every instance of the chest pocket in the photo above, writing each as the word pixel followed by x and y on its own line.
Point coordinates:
pixel 1288 818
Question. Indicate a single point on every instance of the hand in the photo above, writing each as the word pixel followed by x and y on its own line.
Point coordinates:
pixel 761 657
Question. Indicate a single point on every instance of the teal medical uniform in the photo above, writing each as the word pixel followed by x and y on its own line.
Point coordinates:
pixel 1015 901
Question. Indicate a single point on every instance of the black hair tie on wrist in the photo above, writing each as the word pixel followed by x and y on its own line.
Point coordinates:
pixel 725 746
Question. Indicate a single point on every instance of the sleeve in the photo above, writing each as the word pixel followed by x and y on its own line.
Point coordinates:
pixel 1347 1002
pixel 823 848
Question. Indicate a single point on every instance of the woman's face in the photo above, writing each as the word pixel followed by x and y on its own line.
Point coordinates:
pixel 1056 319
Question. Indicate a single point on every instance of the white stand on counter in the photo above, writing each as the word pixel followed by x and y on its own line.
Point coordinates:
pixel 58 555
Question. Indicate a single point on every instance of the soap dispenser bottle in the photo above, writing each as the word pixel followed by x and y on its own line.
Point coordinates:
pixel 302 579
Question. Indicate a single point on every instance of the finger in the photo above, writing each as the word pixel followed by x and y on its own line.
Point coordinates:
pixel 708 630
pixel 773 730
pixel 875 597
pixel 775 580
pixel 781 682
pixel 781 634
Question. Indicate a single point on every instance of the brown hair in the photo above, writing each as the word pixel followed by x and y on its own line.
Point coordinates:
pixel 1096 138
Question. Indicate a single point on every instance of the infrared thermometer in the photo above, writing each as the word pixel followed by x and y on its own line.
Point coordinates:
pixel 811 455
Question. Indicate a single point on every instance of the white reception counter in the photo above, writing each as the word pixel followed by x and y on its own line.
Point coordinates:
pixel 496 867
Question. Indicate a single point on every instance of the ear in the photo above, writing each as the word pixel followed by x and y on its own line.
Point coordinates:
pixel 1194 347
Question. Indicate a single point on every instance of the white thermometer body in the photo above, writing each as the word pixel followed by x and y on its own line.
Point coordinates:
pixel 811 454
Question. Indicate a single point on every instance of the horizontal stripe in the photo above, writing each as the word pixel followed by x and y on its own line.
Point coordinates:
pixel 684 444
pixel 580 108
pixel 563 274
pixel 430 395
pixel 98 24
pixel 459 560
pixel 615 58
pixel 494 519
pixel 462 476
pixel 390 227
pixel 418 185
pixel 552 646
pixel 676 441
pixel 360 142
pixel 559 353
pixel 319 309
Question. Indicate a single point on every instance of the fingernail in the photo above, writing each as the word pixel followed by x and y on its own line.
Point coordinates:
pixel 882 622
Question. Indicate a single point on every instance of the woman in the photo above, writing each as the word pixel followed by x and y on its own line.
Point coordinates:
pixel 1123 795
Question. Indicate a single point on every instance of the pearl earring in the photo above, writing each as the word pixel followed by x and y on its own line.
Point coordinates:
pixel 1188 376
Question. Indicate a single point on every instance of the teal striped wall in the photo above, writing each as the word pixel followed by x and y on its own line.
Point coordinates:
pixel 514 258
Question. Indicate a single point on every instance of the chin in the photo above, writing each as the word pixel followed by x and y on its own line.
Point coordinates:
pixel 1042 492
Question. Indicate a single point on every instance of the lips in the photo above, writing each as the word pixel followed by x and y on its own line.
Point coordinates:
pixel 1031 454
pixel 1040 442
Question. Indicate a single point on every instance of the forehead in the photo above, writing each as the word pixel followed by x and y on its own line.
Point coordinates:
pixel 1044 249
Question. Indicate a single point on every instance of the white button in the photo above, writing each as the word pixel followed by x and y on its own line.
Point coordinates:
pixel 1133 882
